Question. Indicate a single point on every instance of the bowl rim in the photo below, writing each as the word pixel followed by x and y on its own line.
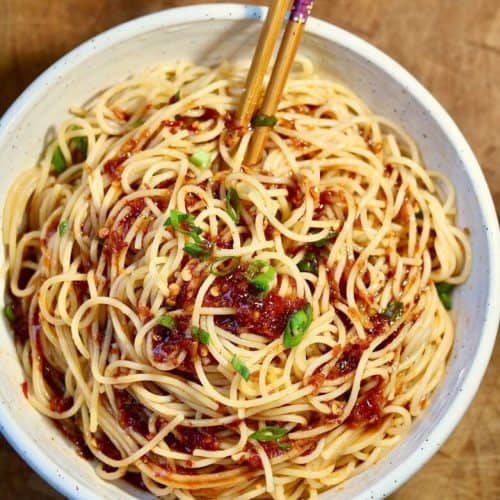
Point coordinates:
pixel 70 487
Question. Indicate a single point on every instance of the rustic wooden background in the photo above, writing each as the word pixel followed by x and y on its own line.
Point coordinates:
pixel 451 46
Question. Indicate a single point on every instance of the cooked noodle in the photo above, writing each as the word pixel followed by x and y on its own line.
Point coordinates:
pixel 94 269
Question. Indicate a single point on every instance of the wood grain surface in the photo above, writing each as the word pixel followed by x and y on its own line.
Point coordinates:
pixel 451 46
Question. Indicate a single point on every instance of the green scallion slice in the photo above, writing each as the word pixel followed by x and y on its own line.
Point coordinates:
pixel 233 204
pixel 58 160
pixel 137 123
pixel 81 144
pixel 167 321
pixel 240 367
pixel 8 312
pixel 63 227
pixel 201 158
pixel 297 326
pixel 321 243
pixel 201 334
pixel 309 263
pixel 199 250
pixel 284 446
pixel 176 97
pixel 183 223
pixel 269 434
pixel 444 291
pixel 393 311
pixel 264 121
pixel 260 274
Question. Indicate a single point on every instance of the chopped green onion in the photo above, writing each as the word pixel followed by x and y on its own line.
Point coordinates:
pixel 297 326
pixel 444 291
pixel 137 123
pixel 81 144
pixel 240 367
pixel 309 264
pixel 167 321
pixel 321 243
pixel 176 97
pixel 183 223
pixel 63 227
pixel 260 280
pixel 269 434
pixel 201 158
pixel 233 204
pixel 419 215
pixel 9 313
pixel 264 121
pixel 393 311
pixel 201 334
pixel 284 446
pixel 58 160
pixel 216 270
pixel 199 250
pixel 177 117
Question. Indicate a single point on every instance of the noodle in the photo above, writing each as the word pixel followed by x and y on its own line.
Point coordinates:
pixel 220 330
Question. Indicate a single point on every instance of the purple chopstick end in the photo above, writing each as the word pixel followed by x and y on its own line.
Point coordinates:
pixel 301 10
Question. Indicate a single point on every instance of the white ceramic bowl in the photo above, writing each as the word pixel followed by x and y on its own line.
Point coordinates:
pixel 208 34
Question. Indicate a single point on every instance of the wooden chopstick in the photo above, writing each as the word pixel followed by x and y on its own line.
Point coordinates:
pixel 260 61
pixel 284 60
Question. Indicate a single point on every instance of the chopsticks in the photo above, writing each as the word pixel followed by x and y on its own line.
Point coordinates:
pixel 286 55
pixel 260 61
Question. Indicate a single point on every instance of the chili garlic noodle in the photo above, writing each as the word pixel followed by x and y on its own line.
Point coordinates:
pixel 212 329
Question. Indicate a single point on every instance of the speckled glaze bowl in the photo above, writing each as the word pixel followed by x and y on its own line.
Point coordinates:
pixel 209 34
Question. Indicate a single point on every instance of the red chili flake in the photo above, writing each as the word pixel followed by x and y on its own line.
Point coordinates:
pixel 265 315
pixel 231 122
pixel 121 114
pixel 390 338
pixel 20 326
pixel 305 109
pixel 24 388
pixel 144 313
pixel 115 241
pixel 114 166
pixel 187 439
pixel 233 130
pixel 81 290
pixel 327 197
pixel 209 114
pixel 189 289
pixel 222 243
pixel 289 124
pixel 388 170
pixel 298 143
pixel 105 445
pixel 369 407
pixel 72 432
pixel 316 380
pixel 60 404
pixel 379 324
pixel 170 344
pixel 131 413
pixel 348 360
pixel 135 479
pixel 295 195
pixel 252 458
pixel 269 232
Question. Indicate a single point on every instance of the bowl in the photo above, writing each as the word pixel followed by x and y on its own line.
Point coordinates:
pixel 209 34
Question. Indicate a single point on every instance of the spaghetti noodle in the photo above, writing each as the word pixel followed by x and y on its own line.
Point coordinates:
pixel 213 329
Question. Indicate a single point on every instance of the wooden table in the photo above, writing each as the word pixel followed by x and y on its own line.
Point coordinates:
pixel 451 46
